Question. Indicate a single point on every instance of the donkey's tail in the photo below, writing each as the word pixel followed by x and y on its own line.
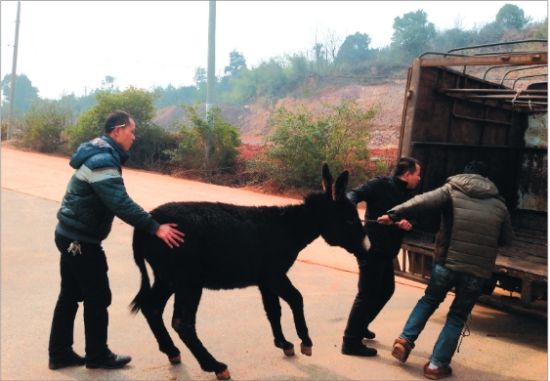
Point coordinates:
pixel 145 289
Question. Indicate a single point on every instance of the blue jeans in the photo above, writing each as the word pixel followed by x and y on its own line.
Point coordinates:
pixel 467 289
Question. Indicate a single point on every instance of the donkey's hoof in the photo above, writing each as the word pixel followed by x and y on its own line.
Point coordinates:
pixel 289 352
pixel 174 360
pixel 306 350
pixel 286 346
pixel 223 375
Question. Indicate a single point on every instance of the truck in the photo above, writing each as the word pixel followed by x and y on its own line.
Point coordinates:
pixel 489 103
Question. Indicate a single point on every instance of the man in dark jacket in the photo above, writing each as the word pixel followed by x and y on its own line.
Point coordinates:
pixel 474 221
pixel 95 194
pixel 376 276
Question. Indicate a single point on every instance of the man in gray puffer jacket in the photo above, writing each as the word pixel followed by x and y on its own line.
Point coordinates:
pixel 95 194
pixel 474 222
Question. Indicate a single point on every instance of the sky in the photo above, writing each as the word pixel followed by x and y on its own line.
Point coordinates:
pixel 70 46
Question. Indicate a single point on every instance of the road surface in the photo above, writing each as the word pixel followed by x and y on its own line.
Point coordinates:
pixel 231 324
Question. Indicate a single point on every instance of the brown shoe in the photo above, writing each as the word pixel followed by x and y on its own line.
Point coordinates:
pixel 401 349
pixel 438 373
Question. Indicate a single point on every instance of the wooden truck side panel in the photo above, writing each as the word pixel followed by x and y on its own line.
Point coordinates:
pixel 451 118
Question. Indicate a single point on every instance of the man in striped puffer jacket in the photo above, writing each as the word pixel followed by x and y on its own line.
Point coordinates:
pixel 474 222
pixel 95 195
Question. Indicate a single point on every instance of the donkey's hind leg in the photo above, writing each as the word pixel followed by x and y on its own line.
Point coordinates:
pixel 290 294
pixel 272 307
pixel 152 311
pixel 183 321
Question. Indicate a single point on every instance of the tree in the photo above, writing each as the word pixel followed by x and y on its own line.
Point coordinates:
pixel 297 69
pixel 453 38
pixel 151 142
pixel 108 83
pixel 270 78
pixel 241 89
pixel 511 16
pixel 332 43
pixel 413 33
pixel 492 32
pixel 200 77
pixel 200 82
pixel 354 50
pixel 174 96
pixel 540 30
pixel 25 94
pixel 237 63
pixel 139 103
pixel 320 57
pixel 319 53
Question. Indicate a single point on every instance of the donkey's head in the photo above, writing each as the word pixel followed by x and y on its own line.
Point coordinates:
pixel 338 218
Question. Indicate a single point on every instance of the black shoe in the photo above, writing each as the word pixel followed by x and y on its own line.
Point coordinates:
pixel 70 359
pixel 112 361
pixel 369 334
pixel 358 350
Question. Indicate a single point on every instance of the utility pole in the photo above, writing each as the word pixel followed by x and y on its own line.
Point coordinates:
pixel 14 71
pixel 211 78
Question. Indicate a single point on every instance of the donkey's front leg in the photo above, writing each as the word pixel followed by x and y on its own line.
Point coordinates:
pixel 292 296
pixel 272 308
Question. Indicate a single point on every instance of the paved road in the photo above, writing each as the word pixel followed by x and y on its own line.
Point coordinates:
pixel 232 324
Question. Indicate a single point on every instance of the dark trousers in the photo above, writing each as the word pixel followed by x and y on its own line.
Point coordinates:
pixel 375 288
pixel 83 278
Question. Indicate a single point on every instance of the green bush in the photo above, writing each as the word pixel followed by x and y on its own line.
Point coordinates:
pixel 301 142
pixel 206 149
pixel 139 103
pixel 4 129
pixel 152 142
pixel 43 125
pixel 151 146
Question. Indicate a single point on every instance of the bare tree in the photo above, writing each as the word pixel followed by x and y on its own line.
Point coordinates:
pixel 332 44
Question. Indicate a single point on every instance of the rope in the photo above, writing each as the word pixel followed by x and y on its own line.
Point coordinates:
pixel 465 331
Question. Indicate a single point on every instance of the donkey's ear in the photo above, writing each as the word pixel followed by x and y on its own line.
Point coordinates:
pixel 327 180
pixel 340 186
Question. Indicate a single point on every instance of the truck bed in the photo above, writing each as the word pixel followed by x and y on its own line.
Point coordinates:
pixel 520 269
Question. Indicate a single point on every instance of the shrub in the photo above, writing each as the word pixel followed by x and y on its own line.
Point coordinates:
pixel 203 148
pixel 301 142
pixel 151 147
pixel 43 125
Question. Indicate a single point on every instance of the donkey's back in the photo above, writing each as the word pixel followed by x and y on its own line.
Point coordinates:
pixel 226 246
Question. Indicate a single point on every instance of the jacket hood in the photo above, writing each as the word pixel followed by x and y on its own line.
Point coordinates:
pixel 475 186
pixel 104 144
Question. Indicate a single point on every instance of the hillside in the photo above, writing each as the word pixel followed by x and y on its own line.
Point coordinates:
pixel 253 119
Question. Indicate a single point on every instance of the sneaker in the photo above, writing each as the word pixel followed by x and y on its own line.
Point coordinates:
pixel 358 349
pixel 437 373
pixel 401 349
pixel 111 361
pixel 369 334
pixel 70 359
